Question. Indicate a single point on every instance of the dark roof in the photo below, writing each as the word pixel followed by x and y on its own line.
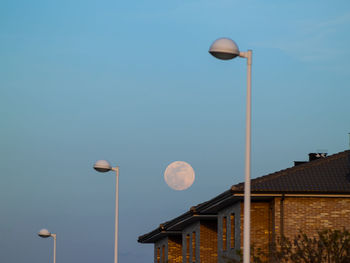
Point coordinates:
pixel 325 176
pixel 174 226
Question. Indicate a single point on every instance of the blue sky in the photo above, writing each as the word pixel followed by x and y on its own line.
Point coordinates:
pixel 133 83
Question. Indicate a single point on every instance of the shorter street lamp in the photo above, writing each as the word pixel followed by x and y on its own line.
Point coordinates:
pixel 44 233
pixel 103 166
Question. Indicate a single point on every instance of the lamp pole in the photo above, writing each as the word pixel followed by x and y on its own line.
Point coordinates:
pixel 225 49
pixel 104 166
pixel 247 198
pixel 44 233
pixel 54 247
pixel 116 169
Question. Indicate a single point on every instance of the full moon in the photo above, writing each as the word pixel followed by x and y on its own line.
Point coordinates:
pixel 179 175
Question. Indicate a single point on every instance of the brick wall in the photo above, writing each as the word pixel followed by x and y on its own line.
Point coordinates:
pixel 268 220
pixel 175 250
pixel 260 230
pixel 208 242
pixel 260 225
pixel 310 214
pixel 168 250
pixel 290 214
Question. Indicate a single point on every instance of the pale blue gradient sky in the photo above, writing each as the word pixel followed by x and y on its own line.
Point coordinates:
pixel 133 83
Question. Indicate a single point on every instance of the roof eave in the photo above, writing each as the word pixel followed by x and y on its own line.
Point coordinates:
pixel 148 238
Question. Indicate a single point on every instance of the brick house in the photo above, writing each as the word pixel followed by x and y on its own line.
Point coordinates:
pixel 309 197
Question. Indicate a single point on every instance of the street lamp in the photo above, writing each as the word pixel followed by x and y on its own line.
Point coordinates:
pixel 44 233
pixel 225 49
pixel 103 166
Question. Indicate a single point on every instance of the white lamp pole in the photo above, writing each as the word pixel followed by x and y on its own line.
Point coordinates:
pixel 44 233
pixel 225 48
pixel 104 166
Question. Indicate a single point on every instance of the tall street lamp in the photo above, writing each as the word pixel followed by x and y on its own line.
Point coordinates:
pixel 225 49
pixel 44 233
pixel 103 166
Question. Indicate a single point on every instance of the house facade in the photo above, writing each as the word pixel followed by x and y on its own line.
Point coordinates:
pixel 308 197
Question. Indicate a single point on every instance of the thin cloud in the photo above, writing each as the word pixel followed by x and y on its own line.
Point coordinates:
pixel 312 41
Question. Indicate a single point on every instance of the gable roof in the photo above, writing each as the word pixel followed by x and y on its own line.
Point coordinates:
pixel 324 176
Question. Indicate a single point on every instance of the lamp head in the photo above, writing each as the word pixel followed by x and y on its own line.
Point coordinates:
pixel 224 48
pixel 102 166
pixel 44 233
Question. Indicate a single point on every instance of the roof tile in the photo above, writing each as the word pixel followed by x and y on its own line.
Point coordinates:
pixel 326 175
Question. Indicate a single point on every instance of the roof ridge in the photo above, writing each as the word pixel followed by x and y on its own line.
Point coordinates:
pixel 282 172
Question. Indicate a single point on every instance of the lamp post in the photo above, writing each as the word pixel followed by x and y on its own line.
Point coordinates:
pixel 103 166
pixel 44 233
pixel 225 49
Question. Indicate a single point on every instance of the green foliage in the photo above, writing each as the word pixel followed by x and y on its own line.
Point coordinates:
pixel 229 259
pixel 330 246
pixel 257 255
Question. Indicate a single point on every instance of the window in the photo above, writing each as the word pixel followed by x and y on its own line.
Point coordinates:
pixel 188 248
pixel 158 255
pixel 232 227
pixel 163 254
pixel 193 246
pixel 224 233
